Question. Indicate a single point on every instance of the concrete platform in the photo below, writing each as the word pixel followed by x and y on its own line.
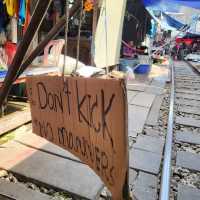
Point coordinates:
pixel 35 158
pixel 188 160
pixel 188 121
pixel 145 161
pixel 14 120
pixel 143 99
pixel 188 193
pixel 145 187
pixel 17 191
pixel 153 117
pixel 137 117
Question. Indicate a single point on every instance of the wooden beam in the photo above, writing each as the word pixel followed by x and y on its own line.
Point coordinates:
pixel 23 46
pixel 51 35
pixel 14 120
pixel 94 26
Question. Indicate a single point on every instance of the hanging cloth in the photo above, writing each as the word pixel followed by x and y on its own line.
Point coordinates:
pixel 13 32
pixel 11 6
pixel 173 22
pixel 58 6
pixel 28 15
pixel 169 5
pixel 22 11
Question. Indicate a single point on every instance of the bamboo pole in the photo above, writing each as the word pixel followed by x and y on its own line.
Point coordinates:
pixel 79 36
pixel 94 26
pixel 35 22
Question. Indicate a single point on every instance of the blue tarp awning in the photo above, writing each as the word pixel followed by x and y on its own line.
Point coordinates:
pixel 160 3
pixel 173 22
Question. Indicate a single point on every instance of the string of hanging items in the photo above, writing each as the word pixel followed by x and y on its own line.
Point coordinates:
pixel 19 9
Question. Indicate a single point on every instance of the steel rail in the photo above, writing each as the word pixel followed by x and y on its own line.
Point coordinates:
pixel 166 170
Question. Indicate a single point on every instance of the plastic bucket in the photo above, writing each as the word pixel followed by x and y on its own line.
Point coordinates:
pixel 142 69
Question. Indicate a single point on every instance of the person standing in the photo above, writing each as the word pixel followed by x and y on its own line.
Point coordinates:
pixel 129 51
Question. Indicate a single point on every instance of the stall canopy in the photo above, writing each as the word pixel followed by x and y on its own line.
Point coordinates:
pixel 163 23
pixel 163 3
pixel 137 22
pixel 176 13
pixel 173 22
pixel 192 36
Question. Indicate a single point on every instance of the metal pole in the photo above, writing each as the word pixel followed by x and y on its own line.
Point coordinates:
pixel 166 170
pixel 34 25
pixel 106 27
pixel 79 36
pixel 66 35
pixel 94 27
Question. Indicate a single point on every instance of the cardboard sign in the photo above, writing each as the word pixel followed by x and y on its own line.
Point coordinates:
pixel 86 117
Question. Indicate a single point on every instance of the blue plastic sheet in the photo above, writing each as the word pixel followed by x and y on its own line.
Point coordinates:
pixel 3 74
pixel 161 4
pixel 150 3
pixel 173 22
pixel 128 64
pixel 189 3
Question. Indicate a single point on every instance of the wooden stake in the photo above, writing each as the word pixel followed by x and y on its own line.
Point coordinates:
pixel 79 36
pixel 94 26
pixel 126 192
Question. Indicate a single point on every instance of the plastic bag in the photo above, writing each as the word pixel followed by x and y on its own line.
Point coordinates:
pixel 129 74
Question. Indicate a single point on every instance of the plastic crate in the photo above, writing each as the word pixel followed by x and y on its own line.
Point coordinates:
pixel 142 69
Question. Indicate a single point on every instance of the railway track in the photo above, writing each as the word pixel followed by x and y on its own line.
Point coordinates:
pixel 182 149
pixel 181 169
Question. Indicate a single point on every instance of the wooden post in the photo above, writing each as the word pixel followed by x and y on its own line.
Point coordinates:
pixel 126 192
pixel 94 26
pixel 34 42
pixel 35 22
